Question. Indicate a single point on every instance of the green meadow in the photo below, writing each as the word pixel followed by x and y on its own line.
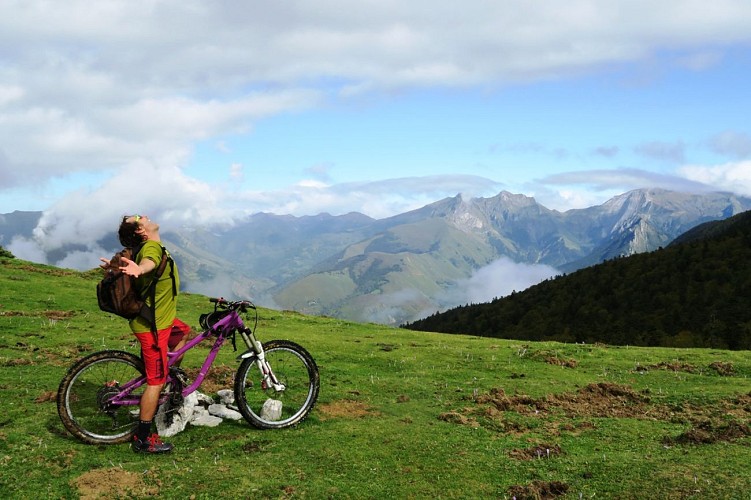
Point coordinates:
pixel 401 414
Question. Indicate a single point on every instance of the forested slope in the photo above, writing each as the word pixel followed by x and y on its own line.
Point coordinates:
pixel 694 293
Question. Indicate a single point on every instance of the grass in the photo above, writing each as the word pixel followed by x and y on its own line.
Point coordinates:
pixel 401 414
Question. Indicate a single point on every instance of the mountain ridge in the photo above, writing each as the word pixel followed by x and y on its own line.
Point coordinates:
pixel 395 269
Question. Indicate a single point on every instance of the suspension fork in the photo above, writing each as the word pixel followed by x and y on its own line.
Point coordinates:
pixel 255 348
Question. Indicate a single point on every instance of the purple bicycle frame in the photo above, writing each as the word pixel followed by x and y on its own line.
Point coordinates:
pixel 222 329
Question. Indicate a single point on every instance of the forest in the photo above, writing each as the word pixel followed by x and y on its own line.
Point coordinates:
pixel 696 292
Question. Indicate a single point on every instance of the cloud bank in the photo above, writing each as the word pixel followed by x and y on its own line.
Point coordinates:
pixel 104 85
pixel 116 95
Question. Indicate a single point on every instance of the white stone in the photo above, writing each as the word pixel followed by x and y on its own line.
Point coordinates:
pixel 199 411
pixel 271 410
pixel 221 411
pixel 204 399
pixel 226 396
pixel 180 418
pixel 206 420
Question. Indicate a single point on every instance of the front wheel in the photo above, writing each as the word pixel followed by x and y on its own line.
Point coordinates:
pixel 84 394
pixel 262 405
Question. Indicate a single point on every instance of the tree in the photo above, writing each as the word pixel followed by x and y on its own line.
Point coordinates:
pixel 6 254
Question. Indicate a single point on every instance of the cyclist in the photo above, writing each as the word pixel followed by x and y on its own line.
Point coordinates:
pixel 139 231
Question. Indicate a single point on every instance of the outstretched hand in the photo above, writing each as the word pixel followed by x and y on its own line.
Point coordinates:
pixel 130 268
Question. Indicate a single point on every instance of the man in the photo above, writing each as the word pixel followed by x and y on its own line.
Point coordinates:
pixel 142 235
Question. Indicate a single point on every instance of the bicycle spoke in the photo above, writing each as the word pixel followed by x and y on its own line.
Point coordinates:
pixel 261 403
pixel 85 394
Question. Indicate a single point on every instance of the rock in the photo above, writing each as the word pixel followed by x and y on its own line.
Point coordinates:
pixel 203 419
pixel 226 396
pixel 203 399
pixel 271 410
pixel 222 411
pixel 179 417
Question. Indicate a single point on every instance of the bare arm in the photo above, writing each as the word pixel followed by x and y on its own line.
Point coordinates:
pixel 132 269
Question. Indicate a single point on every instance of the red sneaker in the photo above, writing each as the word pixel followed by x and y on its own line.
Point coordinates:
pixel 152 444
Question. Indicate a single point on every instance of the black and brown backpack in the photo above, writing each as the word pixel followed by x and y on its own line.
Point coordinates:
pixel 117 292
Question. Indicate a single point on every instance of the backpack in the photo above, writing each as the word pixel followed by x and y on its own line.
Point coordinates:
pixel 117 292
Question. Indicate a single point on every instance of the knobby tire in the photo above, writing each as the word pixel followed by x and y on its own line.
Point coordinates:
pixel 84 391
pixel 296 369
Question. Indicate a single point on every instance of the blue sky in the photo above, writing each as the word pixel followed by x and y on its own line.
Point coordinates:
pixel 200 111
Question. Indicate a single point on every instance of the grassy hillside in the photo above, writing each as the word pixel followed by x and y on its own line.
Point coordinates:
pixel 390 277
pixel 695 293
pixel 402 414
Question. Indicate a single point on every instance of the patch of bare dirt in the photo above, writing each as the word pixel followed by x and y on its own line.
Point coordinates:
pixel 58 315
pixel 345 408
pixel 723 420
pixel 46 270
pixel 15 362
pixel 540 451
pixel 14 313
pixel 601 400
pixel 219 377
pixel 115 483
pixel 458 418
pixel 46 396
pixel 673 366
pixel 538 490
pixel 553 359
pixel 595 400
pixel 708 432
pixel 722 368
pixel 500 401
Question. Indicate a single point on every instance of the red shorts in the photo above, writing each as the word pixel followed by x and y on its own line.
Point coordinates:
pixel 155 360
pixel 179 331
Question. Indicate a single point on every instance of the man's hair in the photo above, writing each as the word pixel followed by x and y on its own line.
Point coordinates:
pixel 127 233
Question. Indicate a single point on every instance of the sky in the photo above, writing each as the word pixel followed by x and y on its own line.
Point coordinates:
pixel 197 112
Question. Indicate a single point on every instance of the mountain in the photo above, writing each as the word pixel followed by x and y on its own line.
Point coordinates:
pixel 404 267
pixel 692 293
pixel 410 266
pixel 17 223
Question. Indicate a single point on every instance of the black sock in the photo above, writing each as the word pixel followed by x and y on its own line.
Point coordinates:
pixel 143 430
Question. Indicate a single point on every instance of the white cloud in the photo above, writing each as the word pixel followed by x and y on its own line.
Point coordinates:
pixel 378 199
pixel 500 278
pixel 27 249
pixel 99 85
pixel 127 89
pixel 585 188
pixel 733 177
pixel 83 217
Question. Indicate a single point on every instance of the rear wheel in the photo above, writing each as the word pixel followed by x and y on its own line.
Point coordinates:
pixel 266 408
pixel 84 394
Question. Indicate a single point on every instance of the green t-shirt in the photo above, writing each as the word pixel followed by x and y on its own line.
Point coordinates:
pixel 166 301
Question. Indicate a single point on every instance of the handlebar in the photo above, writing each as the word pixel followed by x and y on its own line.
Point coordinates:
pixel 222 304
pixel 234 305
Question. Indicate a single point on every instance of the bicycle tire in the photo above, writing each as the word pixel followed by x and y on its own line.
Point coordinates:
pixel 295 368
pixel 82 397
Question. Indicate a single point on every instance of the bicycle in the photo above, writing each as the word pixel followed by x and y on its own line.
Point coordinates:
pixel 276 384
